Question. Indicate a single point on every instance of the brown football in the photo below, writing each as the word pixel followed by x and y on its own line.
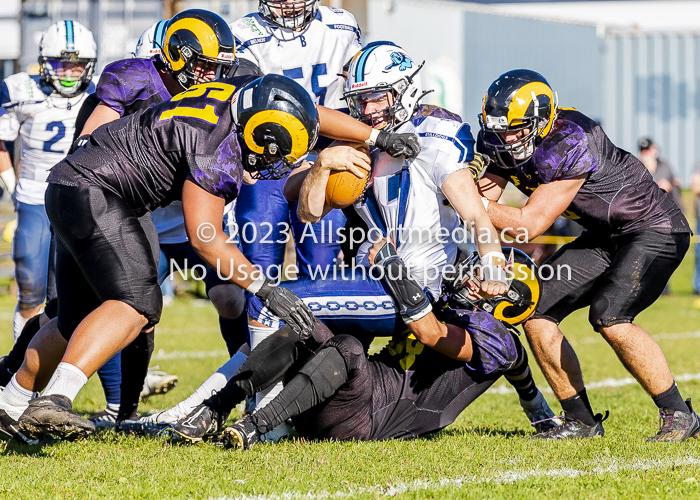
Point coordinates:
pixel 344 188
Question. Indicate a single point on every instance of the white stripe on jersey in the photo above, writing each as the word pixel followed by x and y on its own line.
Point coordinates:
pixel 46 125
pixel 412 191
pixel 314 57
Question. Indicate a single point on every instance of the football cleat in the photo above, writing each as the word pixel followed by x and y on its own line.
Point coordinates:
pixel 9 429
pixel 573 428
pixel 676 426
pixel 202 421
pixel 142 428
pixel 104 420
pixel 157 382
pixel 54 415
pixel 5 375
pixel 539 413
pixel 242 435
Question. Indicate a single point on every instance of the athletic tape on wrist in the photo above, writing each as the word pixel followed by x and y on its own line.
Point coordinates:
pixel 486 202
pixel 492 271
pixel 256 285
pixel 8 178
pixel 372 137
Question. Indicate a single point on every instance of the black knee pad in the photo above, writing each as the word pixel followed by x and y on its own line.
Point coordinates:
pixel 319 335
pixel 327 371
pixel 351 350
pixel 602 314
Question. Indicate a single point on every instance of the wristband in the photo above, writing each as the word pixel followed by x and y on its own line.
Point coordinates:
pixel 372 137
pixel 488 258
pixel 486 202
pixel 8 178
pixel 256 285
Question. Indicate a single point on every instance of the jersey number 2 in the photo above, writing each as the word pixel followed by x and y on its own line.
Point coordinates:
pixel 60 129
pixel 217 91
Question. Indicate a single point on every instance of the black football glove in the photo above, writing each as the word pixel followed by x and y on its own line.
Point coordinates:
pixel 284 304
pixel 396 145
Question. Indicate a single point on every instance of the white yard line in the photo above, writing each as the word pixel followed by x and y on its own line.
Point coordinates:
pixel 504 477
pixel 161 354
pixel 600 384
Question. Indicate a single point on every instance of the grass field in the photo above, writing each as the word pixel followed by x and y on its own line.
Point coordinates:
pixel 485 454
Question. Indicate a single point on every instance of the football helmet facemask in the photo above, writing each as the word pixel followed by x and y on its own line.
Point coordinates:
pixel 67 56
pixel 383 77
pixel 198 47
pixel 519 101
pixel 289 14
pixel 277 123
pixel 513 307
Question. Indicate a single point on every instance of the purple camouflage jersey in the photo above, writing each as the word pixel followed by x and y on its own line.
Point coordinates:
pixel 146 157
pixel 130 85
pixel 618 197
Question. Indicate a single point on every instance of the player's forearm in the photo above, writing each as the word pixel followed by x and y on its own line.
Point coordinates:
pixel 452 341
pixel 337 125
pixel 513 221
pixel 312 196
pixel 223 258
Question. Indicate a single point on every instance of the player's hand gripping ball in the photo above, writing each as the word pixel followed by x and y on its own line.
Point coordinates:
pixel 349 174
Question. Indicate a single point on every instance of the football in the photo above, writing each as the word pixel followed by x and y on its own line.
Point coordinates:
pixel 344 188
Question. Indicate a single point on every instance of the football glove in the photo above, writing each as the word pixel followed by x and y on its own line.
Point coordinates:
pixel 478 166
pixel 284 304
pixel 397 145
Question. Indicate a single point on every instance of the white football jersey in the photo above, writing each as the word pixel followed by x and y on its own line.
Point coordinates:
pixel 46 122
pixel 313 58
pixel 405 201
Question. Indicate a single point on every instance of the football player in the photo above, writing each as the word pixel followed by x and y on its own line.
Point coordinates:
pixel 310 44
pixel 98 202
pixel 635 237
pixel 333 391
pixel 384 90
pixel 126 87
pixel 42 110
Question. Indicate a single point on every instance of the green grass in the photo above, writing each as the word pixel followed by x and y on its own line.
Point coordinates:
pixel 485 454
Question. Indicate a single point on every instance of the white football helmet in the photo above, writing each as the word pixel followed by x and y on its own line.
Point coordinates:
pixel 382 68
pixel 151 41
pixel 289 14
pixel 67 56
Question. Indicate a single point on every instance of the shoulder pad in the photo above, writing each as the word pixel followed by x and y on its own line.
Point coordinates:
pixel 123 66
pixel 446 134
pixel 249 27
pixel 333 15
pixel 22 87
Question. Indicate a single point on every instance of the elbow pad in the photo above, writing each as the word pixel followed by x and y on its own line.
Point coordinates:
pixel 409 297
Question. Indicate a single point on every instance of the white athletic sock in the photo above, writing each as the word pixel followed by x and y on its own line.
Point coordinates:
pixel 211 385
pixel 67 381
pixel 18 322
pixel 113 407
pixel 14 399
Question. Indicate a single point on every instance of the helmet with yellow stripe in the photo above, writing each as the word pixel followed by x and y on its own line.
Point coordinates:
pixel 518 112
pixel 277 123
pixel 198 47
pixel 513 307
